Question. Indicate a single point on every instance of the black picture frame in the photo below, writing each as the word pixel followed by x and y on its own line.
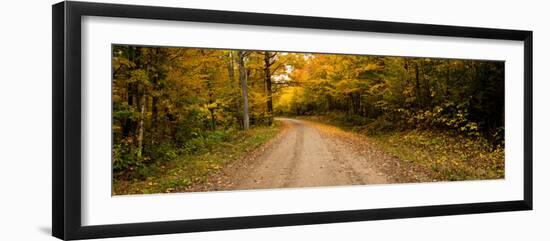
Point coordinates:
pixel 66 128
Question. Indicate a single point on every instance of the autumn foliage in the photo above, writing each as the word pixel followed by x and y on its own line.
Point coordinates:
pixel 393 93
pixel 169 102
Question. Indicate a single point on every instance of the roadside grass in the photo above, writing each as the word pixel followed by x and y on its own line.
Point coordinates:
pixel 194 167
pixel 450 157
pixel 447 156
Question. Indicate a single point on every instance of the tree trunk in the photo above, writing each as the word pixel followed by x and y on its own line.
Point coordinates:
pixel 155 80
pixel 329 103
pixel 230 68
pixel 211 106
pixel 237 100
pixel 128 127
pixel 154 110
pixel 213 119
pixel 140 102
pixel 244 90
pixel 140 135
pixel 267 71
pixel 418 92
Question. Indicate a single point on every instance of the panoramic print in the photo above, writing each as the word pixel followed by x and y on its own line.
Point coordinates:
pixel 198 119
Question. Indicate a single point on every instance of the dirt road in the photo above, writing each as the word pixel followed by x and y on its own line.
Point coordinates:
pixel 308 154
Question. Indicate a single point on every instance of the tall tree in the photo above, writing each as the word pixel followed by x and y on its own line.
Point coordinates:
pixel 233 83
pixel 241 55
pixel 269 60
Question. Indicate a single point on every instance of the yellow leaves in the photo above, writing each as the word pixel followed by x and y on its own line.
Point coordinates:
pixel 211 106
pixel 377 88
pixel 370 67
pixel 347 86
pixel 448 156
pixel 139 76
pixel 441 160
pixel 121 61
pixel 289 97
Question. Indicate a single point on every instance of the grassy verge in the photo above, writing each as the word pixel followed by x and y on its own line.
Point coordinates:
pixel 447 156
pixel 451 158
pixel 190 168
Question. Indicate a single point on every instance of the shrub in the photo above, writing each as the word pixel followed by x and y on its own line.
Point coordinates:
pixel 161 152
pixel 124 160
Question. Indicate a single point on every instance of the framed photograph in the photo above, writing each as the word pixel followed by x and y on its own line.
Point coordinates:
pixel 169 120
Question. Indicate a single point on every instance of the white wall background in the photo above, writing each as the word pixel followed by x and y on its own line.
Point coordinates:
pixel 25 119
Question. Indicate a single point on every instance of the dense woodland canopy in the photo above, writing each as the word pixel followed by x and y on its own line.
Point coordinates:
pixel 395 92
pixel 168 101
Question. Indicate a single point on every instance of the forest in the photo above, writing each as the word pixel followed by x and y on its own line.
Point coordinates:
pixel 173 106
pixel 389 93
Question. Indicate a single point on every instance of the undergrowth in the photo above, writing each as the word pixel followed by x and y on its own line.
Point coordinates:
pixel 193 162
